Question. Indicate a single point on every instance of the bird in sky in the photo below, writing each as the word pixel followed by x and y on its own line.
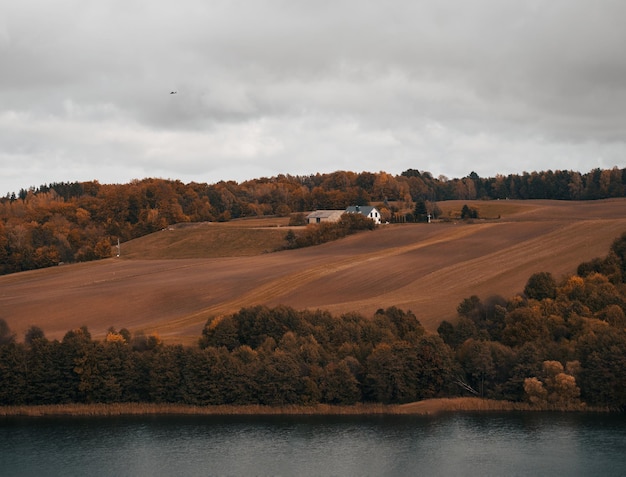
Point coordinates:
pixel 174 92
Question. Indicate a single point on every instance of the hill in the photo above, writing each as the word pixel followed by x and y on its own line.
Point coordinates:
pixel 239 238
pixel 80 221
pixel 427 268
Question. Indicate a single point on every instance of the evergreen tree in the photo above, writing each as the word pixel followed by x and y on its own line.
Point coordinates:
pixel 420 213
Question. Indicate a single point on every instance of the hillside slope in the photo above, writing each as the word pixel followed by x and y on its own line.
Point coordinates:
pixel 240 238
pixel 427 268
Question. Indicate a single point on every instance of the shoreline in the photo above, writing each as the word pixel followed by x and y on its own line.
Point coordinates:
pixel 427 407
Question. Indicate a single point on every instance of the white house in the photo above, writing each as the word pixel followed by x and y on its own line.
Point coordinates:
pixel 324 216
pixel 367 210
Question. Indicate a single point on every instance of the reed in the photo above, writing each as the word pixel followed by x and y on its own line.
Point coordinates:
pixel 139 409
pixel 426 407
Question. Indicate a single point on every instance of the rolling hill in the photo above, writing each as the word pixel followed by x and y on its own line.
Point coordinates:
pixel 170 282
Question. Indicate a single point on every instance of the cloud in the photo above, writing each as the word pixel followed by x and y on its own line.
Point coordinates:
pixel 275 86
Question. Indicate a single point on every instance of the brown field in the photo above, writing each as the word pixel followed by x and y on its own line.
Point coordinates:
pixel 172 281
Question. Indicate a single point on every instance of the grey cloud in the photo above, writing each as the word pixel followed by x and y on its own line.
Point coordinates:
pixel 280 86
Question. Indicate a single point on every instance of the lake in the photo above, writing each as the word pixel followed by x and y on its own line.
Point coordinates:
pixel 472 444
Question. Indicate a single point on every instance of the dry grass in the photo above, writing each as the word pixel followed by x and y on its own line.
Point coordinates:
pixel 465 404
pixel 207 240
pixel 420 408
pixel 425 268
pixel 141 409
pixel 492 209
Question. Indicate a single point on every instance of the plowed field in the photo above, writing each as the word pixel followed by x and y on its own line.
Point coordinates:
pixel 427 268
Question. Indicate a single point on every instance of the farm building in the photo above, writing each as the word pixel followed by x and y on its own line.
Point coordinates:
pixel 334 215
pixel 324 216
pixel 368 211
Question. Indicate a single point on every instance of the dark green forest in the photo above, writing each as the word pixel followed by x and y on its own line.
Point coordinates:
pixel 556 345
pixel 80 221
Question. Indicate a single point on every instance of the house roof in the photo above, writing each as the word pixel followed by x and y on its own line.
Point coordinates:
pixel 323 214
pixel 361 209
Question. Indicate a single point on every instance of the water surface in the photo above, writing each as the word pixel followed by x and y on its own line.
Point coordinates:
pixel 511 444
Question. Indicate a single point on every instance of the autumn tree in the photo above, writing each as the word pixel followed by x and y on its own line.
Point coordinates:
pixel 525 325
pixel 13 374
pixel 34 334
pixel 555 388
pixel 338 384
pixel 602 356
pixel 6 335
pixel 540 285
pixel 475 358
pixel 402 372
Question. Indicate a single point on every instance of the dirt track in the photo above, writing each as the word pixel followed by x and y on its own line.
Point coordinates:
pixel 427 268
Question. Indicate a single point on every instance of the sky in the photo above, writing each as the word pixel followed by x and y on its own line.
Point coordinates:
pixel 268 87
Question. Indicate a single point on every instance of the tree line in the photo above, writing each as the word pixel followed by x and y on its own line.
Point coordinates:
pixel 80 221
pixel 556 345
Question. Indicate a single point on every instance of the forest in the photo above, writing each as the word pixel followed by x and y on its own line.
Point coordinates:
pixel 81 221
pixel 555 345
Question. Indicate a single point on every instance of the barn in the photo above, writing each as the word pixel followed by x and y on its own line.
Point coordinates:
pixel 320 216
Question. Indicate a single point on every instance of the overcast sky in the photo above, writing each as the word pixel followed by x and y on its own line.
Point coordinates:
pixel 297 87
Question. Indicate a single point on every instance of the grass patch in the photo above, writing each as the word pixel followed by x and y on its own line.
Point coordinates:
pixel 487 209
pixel 210 240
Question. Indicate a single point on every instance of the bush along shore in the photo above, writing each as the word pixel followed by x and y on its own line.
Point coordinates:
pixel 557 345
